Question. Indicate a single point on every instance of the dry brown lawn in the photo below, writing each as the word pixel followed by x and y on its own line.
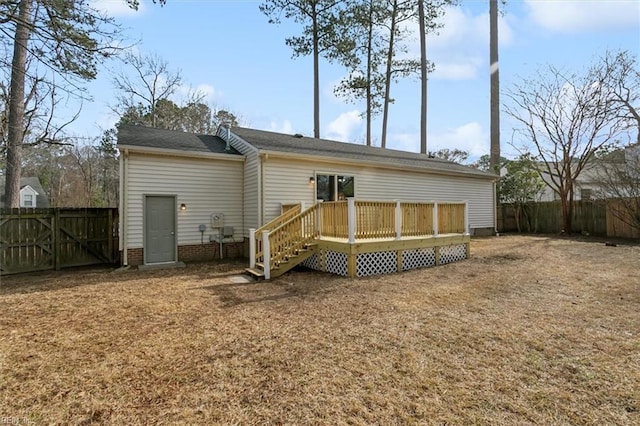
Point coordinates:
pixel 530 330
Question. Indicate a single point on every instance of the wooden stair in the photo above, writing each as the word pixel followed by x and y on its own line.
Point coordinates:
pixel 292 260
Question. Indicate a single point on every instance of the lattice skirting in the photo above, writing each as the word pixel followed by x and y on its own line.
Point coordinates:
pixel 385 262
pixel 450 254
pixel 377 263
pixel 418 258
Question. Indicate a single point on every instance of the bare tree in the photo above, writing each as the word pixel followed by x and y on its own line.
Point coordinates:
pixel 67 39
pixel 152 81
pixel 621 74
pixel 456 155
pixel 566 118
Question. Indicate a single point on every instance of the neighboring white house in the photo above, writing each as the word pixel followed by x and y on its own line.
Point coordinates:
pixel 588 185
pixel 32 194
pixel 182 193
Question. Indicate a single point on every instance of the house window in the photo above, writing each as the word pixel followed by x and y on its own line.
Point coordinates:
pixel 334 187
pixel 586 194
pixel 27 201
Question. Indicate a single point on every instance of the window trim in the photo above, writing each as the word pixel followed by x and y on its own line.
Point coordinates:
pixel 334 175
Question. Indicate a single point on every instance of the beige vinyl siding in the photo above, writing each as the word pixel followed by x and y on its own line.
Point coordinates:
pixel 287 180
pixel 251 198
pixel 251 193
pixel 206 186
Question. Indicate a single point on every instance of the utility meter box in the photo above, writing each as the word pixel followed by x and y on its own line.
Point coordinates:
pixel 217 220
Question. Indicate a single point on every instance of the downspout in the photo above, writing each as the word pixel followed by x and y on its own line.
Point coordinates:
pixel 495 208
pixel 124 205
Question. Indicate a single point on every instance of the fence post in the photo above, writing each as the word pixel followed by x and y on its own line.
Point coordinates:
pixel 266 254
pixel 351 219
pixel 110 250
pixel 57 236
pixel 466 218
pixel 435 219
pixel 252 248
pixel 398 220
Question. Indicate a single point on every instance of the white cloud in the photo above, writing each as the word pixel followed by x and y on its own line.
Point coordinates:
pixel 457 69
pixel 461 47
pixel 342 128
pixel 469 137
pixel 186 93
pixel 117 8
pixel 573 16
pixel 281 127
pixel 404 141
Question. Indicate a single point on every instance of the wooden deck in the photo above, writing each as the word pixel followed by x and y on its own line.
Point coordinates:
pixel 359 238
pixel 388 255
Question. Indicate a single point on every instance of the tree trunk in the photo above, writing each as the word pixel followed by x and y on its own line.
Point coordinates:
pixel 387 80
pixel 316 74
pixel 423 75
pixel 15 134
pixel 495 87
pixel 369 65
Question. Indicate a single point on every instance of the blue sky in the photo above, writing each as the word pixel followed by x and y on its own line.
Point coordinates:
pixel 228 50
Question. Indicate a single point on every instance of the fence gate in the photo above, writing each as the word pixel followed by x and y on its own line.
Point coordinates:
pixel 41 239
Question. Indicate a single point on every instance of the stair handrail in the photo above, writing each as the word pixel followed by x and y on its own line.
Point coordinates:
pixel 293 235
pixel 274 223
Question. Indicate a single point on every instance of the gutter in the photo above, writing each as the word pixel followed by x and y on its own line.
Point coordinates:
pixel 176 153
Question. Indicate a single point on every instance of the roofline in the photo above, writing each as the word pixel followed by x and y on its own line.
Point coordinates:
pixel 223 135
pixel 30 187
pixel 178 153
pixel 327 159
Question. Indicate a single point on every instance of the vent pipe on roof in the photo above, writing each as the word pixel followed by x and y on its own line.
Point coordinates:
pixel 228 147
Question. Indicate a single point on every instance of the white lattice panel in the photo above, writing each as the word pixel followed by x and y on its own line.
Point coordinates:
pixel 378 263
pixel 312 262
pixel 419 258
pixel 450 254
pixel 337 263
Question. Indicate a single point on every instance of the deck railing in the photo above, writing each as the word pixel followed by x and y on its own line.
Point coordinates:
pixel 354 220
pixel 389 219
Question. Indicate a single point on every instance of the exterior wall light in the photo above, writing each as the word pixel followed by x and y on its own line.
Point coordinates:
pixel 183 207
pixel 312 180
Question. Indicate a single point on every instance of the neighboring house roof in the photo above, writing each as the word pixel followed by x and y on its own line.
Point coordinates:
pixel 41 200
pixel 302 145
pixel 149 137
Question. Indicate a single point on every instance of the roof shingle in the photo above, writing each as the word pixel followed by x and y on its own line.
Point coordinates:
pixel 149 137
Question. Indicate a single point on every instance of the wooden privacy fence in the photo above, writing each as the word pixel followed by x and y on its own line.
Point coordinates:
pixel 41 239
pixel 595 217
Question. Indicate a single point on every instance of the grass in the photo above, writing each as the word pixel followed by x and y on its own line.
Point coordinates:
pixel 530 330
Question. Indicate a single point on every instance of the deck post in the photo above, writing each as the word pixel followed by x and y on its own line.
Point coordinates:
pixel 398 220
pixel 319 218
pixel 351 219
pixel 266 253
pixel 435 219
pixel 252 248
pixel 466 217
